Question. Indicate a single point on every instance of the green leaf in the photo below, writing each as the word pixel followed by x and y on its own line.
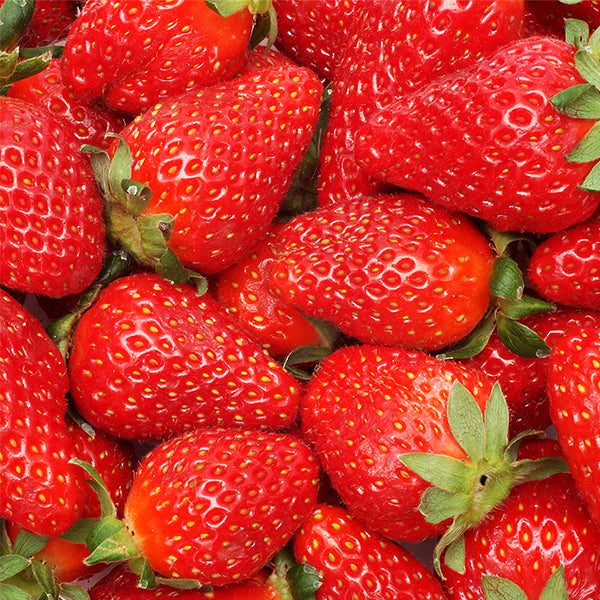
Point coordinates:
pixel 180 584
pixel 11 564
pixel 556 587
pixel 520 339
pixel 497 422
pixel 524 306
pixel 540 468
pixel 12 69
pixel 592 181
pixel 437 505
pixel 440 470
pixel 588 148
pixel 12 592
pixel 15 16
pixel 304 581
pixel 74 592
pixel 45 578
pixel 78 532
pixel 499 588
pixel 466 422
pixel 506 280
pixel 473 343
pixel 110 541
pixel 577 32
pixel 581 101
pixel 588 67
pixel 106 504
pixel 170 267
pixel 501 240
pixel 455 555
pixel 27 544
pixel 306 354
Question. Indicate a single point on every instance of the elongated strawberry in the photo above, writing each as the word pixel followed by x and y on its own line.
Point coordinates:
pixel 151 359
pixel 500 140
pixel 392 48
pixel 51 225
pixel 355 562
pixel 134 55
pixel 39 490
pixel 391 270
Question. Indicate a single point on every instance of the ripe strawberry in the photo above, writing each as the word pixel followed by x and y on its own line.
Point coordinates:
pixel 547 17
pixel 220 161
pixel 90 124
pixel 39 490
pixel 389 270
pixel 217 504
pixel 392 48
pixel 51 225
pixel 132 57
pixel 244 290
pixel 313 32
pixel 574 394
pixel 355 562
pixel 151 359
pixel 500 140
pixel 565 268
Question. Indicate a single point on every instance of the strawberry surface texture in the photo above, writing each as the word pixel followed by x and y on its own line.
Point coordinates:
pixel 299 299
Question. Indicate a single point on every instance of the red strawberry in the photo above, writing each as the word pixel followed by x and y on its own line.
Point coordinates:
pixel 216 505
pixel 220 161
pixel 355 562
pixel 547 17
pixel 574 394
pixel 52 228
pixel 500 140
pixel 389 270
pixel 392 48
pixel 90 124
pixel 151 359
pixel 565 268
pixel 134 55
pixel 39 490
pixel 244 290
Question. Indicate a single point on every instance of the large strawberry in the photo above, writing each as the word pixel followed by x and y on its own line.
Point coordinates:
pixel 355 562
pixel 132 56
pixel 391 270
pixel 392 48
pixel 39 490
pixel 151 359
pixel 51 224
pixel 488 141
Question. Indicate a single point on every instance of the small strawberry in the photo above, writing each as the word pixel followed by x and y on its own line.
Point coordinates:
pixel 51 224
pixel 150 359
pixel 574 394
pixel 391 270
pixel 565 268
pixel 132 57
pixel 394 47
pixel 39 490
pixel 355 562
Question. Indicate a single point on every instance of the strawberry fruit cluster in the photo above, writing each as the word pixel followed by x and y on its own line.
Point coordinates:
pixel 292 294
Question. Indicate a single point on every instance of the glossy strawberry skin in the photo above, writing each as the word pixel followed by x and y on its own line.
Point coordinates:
pixel 39 490
pixel 500 140
pixel 574 394
pixel 365 406
pixel 217 504
pixel 392 48
pixel 51 225
pixel 390 270
pixel 213 160
pixel 540 526
pixel 355 562
pixel 151 359
pixel 565 268
pixel 136 54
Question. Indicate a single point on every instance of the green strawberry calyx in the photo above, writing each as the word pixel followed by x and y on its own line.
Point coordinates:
pixel 466 490
pixel 499 588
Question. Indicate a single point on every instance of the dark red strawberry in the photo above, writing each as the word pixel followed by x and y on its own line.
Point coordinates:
pixel 500 140
pixel 151 359
pixel 391 270
pixel 133 56
pixel 392 48
pixel 565 268
pixel 51 224
pixel 547 17
pixel 39 490
pixel 355 562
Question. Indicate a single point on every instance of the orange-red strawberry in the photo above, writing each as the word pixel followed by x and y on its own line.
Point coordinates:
pixel 151 359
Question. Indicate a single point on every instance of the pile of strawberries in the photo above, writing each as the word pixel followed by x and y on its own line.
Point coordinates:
pixel 300 299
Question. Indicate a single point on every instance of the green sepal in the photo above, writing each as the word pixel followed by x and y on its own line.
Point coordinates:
pixel 13 592
pixel 466 422
pixel 45 579
pixel 496 425
pixel 556 586
pixel 456 554
pixel 506 280
pixel 110 541
pixel 499 588
pixel 520 339
pixel 588 148
pixel 79 532
pixel 581 101
pixel 107 507
pixel 74 592
pixel 438 505
pixel 577 32
pixel 451 474
pixel 473 343
pixel 146 576
pixel 293 580
pixel 524 307
pixel 180 584
pixel 27 544
pixel 12 68
pixel 11 565
pixel 592 181
pixel 540 468
pixel 15 16
pixel 54 51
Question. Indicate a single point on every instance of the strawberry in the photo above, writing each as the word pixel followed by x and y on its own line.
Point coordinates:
pixel 90 124
pixel 133 56
pixel 355 562
pixel 52 227
pixel 392 48
pixel 244 290
pixel 150 359
pixel 500 139
pixel 574 395
pixel 39 490
pixel 314 32
pixel 565 268
pixel 218 163
pixel 547 17
pixel 388 270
